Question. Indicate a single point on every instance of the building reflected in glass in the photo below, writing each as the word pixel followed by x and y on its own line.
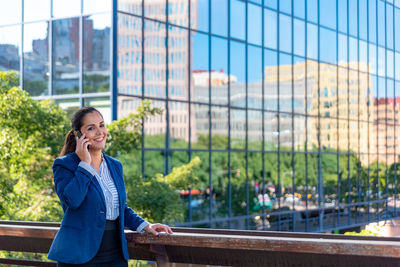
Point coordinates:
pixel 295 101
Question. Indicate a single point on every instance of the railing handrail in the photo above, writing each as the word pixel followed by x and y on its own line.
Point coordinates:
pixel 202 245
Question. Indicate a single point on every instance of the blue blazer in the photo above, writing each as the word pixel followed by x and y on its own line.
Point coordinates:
pixel 82 200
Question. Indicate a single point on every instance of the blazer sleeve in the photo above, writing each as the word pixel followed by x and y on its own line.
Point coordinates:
pixel 71 186
pixel 133 221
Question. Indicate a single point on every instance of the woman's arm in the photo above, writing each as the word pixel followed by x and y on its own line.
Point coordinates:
pixel 133 221
pixel 71 187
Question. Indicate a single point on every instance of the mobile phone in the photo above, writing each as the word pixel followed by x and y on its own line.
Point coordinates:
pixel 79 134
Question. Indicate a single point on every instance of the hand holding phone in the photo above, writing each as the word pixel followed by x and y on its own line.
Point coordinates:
pixel 79 134
pixel 82 147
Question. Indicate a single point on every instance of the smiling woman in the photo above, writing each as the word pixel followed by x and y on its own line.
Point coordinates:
pixel 92 193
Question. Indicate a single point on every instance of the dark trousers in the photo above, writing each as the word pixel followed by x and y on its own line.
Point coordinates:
pixel 110 252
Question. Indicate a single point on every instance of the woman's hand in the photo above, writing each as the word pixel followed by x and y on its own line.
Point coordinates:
pixel 157 228
pixel 82 148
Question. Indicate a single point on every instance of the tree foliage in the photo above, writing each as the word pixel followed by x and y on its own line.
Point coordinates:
pixel 31 136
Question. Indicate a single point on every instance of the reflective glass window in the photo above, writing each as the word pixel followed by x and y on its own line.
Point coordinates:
pixel 327 44
pixel 285 6
pixel 299 37
pixel 127 105
pixel 178 63
pixel 200 71
pixel 363 54
pixel 155 127
pixel 178 13
pixel 270 130
pixel 327 13
pixel 130 6
pixel 372 58
pixel 353 50
pixel 10 43
pixel 153 159
pixel 271 3
pixel 96 53
pixel 254 72
pixel 62 8
pixel 254 25
pixel 219 17
pixel 155 9
pixel 238 129
pixel 299 8
pixel 200 125
pixel 397 28
pixel 237 74
pixel 238 19
pixel 219 127
pixel 299 86
pixel 199 15
pixel 381 23
pixel 65 56
pixel 36 10
pixel 68 105
pixel 389 63
pixel 397 64
pixel 219 71
pixel 10 12
pixel 36 58
pixel 362 19
pixel 381 61
pixel 178 124
pixel 342 16
pixel 155 67
pixel 285 82
pixel 312 41
pixel 353 17
pixel 285 33
pixel 270 29
pixel 102 104
pixel 353 96
pixel 372 20
pixel 130 55
pixel 389 26
pixel 342 50
pixel 271 80
pixel 312 10
pixel 95 6
pixel 285 133
pixel 389 94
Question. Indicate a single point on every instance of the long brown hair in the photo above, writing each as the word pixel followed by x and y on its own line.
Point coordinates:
pixel 76 124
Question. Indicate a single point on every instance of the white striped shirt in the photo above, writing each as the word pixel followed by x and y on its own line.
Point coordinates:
pixel 109 191
pixel 108 187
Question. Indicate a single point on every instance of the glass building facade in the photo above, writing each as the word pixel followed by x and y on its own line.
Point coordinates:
pixel 292 105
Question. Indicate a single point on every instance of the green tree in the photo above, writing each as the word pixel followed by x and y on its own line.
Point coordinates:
pixel 30 136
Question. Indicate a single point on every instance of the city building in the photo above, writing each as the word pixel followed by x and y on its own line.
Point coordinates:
pixel 301 97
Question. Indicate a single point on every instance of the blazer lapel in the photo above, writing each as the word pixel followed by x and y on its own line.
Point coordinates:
pixel 94 181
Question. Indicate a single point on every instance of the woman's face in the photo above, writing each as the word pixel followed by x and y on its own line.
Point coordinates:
pixel 94 128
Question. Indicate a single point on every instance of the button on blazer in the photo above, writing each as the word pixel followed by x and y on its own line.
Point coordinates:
pixel 82 200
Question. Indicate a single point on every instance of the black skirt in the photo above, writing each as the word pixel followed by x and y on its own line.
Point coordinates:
pixel 110 251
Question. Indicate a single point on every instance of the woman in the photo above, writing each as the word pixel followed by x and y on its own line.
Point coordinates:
pixel 92 194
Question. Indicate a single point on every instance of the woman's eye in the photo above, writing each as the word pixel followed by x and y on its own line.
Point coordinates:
pixel 89 129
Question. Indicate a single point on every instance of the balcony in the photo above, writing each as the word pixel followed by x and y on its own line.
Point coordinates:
pixel 221 247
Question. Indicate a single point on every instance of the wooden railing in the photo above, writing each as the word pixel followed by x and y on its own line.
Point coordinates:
pixel 221 247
